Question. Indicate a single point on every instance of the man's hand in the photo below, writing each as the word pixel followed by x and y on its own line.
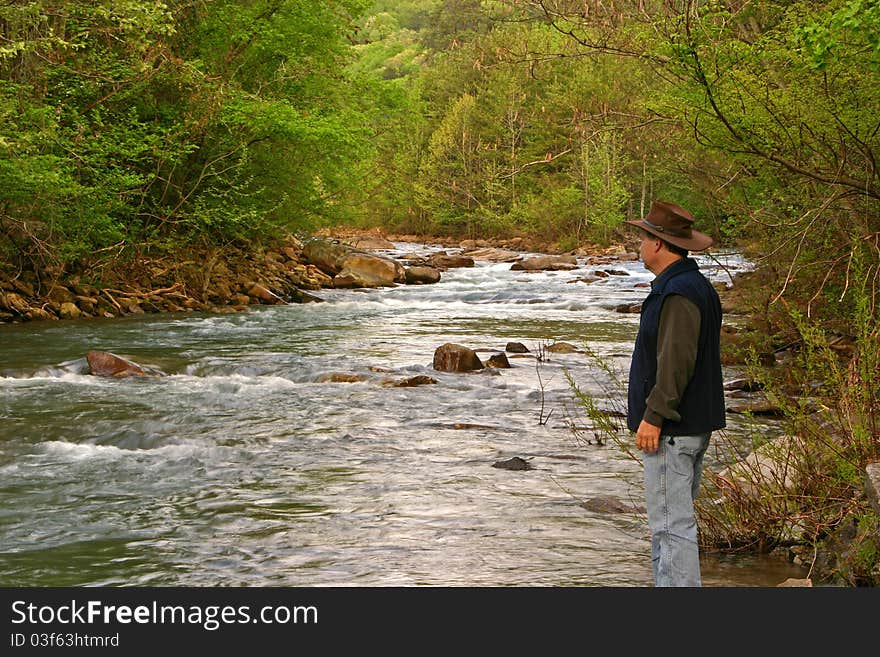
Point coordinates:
pixel 648 437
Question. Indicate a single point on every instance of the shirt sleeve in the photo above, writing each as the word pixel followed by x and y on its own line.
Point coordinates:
pixel 677 341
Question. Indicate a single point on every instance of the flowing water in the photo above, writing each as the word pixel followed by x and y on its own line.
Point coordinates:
pixel 244 466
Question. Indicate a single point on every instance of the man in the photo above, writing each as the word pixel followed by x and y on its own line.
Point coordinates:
pixel 676 393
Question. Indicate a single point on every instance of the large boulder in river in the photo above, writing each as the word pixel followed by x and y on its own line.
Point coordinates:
pixel 546 263
pixel 418 275
pixel 444 261
pixel 492 254
pixel 352 267
pixel 456 358
pixel 104 363
pixel 326 255
pixel 368 270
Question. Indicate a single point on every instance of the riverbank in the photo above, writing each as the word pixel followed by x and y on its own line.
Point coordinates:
pixel 209 278
pixel 233 278
pixel 212 279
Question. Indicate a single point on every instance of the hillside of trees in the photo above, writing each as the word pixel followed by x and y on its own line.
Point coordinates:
pixel 154 126
pixel 132 128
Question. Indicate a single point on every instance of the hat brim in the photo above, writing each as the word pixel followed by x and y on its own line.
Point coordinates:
pixel 696 242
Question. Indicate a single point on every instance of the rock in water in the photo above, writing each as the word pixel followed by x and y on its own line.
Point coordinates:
pixel 456 358
pixel 514 463
pixel 103 363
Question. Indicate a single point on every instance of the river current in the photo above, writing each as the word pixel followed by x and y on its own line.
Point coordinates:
pixel 247 465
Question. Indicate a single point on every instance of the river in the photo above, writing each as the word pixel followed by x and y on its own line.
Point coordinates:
pixel 244 466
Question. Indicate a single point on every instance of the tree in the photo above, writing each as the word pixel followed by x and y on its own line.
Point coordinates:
pixel 448 180
pixel 149 123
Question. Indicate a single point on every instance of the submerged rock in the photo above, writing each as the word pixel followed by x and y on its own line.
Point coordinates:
pixel 514 463
pixel 341 377
pixel 608 504
pixel 104 363
pixel 411 382
pixel 562 348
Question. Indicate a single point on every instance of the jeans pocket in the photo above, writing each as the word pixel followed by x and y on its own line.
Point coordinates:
pixel 685 452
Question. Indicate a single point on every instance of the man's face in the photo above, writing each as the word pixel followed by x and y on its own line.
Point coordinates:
pixel 648 250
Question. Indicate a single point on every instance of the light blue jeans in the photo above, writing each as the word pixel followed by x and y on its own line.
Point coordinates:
pixel 672 479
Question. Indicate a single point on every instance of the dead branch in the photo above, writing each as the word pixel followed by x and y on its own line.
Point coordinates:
pixel 112 300
pixel 548 158
pixel 150 293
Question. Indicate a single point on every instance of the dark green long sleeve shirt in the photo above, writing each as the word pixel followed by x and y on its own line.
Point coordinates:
pixel 678 335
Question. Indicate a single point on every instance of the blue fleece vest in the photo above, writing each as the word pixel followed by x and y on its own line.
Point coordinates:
pixel 701 406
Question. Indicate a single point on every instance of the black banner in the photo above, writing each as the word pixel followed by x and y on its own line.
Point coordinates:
pixel 417 618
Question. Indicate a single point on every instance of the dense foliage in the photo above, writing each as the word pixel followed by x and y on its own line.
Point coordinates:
pixel 151 123
pixel 141 124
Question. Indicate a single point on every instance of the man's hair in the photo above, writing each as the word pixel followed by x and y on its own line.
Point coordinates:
pixel 672 248
pixel 675 249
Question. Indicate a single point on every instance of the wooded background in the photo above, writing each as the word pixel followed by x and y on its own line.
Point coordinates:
pixel 132 126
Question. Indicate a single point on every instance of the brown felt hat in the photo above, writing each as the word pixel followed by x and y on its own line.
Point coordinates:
pixel 672 223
